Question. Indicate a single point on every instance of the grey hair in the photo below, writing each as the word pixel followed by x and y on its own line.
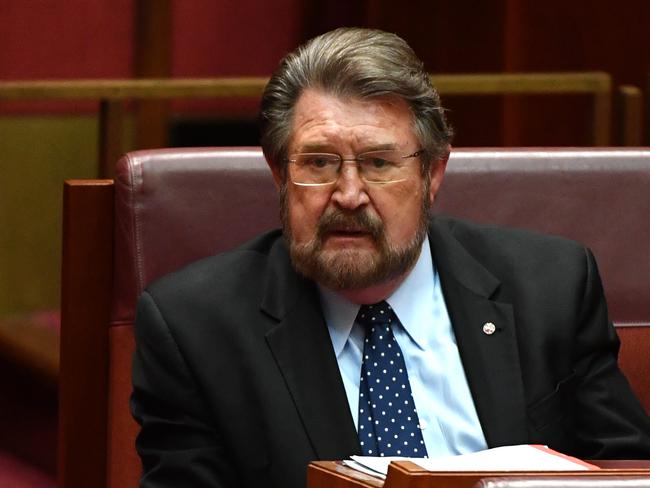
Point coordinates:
pixel 358 63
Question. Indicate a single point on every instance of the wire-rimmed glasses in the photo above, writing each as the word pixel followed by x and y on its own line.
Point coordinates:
pixel 376 167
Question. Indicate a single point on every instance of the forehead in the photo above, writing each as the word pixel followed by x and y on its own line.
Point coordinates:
pixel 322 119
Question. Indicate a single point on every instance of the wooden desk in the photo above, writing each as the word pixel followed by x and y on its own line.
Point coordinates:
pixel 404 474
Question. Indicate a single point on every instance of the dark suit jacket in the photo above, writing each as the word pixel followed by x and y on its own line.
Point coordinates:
pixel 236 383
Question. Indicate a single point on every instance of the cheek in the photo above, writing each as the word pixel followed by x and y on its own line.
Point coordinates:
pixel 401 212
pixel 305 209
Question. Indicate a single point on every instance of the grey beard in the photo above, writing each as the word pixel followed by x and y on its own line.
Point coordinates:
pixel 351 269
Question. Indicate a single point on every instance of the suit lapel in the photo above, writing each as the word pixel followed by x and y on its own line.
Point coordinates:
pixel 490 360
pixel 302 348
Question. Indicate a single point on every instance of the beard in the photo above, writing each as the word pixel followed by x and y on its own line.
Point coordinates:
pixel 353 268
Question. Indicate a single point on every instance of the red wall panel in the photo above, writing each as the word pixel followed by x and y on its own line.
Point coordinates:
pixel 50 39
pixel 231 38
pixel 94 38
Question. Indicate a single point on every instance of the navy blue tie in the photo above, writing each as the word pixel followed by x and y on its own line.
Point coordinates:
pixel 388 419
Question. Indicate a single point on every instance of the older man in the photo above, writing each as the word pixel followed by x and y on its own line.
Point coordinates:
pixel 366 326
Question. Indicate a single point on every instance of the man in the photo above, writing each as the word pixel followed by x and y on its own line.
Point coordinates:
pixel 365 326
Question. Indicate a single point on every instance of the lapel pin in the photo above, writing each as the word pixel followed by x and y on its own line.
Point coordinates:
pixel 489 328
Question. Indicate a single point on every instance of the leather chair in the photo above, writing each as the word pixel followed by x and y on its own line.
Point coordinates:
pixel 169 207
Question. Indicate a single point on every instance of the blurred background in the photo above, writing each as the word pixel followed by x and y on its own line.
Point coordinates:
pixel 44 141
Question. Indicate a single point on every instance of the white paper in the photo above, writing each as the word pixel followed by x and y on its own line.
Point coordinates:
pixel 508 458
pixel 377 464
pixel 361 468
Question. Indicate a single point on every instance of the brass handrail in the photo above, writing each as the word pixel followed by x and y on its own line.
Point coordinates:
pixel 447 84
pixel 112 94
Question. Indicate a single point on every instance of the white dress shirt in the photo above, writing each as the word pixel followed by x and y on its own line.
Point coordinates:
pixel 448 418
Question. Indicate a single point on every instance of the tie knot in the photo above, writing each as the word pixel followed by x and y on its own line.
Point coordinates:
pixel 378 313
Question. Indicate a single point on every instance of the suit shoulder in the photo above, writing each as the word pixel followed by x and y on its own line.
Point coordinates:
pixel 525 240
pixel 230 269
pixel 532 267
pixel 506 250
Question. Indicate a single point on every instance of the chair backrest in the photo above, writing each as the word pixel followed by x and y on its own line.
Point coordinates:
pixel 170 207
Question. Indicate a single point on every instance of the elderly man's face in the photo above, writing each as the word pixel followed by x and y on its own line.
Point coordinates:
pixel 353 234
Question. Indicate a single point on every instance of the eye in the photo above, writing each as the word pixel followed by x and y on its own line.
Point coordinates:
pixel 378 162
pixel 315 161
pixel 318 162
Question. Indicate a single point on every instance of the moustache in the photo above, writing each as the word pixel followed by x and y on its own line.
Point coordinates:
pixel 360 221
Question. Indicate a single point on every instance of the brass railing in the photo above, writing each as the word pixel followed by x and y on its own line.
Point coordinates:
pixel 112 93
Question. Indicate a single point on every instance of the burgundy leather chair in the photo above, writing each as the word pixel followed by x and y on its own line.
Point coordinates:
pixel 169 207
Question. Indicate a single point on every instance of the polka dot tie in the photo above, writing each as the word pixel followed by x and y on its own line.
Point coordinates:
pixel 388 419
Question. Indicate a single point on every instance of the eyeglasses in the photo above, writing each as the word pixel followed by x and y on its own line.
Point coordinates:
pixel 376 167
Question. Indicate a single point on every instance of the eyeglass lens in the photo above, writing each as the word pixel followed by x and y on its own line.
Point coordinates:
pixel 324 168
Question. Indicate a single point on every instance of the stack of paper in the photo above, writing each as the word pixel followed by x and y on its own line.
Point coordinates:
pixel 508 458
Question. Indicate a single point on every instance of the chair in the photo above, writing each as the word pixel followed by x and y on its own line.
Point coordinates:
pixel 169 207
pixel 597 196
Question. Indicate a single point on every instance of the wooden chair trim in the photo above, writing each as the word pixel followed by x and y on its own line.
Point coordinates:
pixel 85 308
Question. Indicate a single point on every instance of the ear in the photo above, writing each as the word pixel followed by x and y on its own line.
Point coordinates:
pixel 437 174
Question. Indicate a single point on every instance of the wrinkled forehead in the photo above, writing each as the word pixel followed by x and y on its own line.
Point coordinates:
pixel 321 119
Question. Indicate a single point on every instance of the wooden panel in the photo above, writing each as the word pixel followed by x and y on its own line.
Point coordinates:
pixel 111 128
pixel 600 118
pixel 405 474
pixel 629 116
pixel 333 474
pixel 85 300
pixel 153 25
pixel 595 84
pixel 646 111
pixel 556 35
pixel 123 464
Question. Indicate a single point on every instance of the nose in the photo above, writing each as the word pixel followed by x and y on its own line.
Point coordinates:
pixel 350 191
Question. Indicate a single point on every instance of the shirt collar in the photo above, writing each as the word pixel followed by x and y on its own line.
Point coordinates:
pixel 413 299
pixel 417 288
pixel 339 316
